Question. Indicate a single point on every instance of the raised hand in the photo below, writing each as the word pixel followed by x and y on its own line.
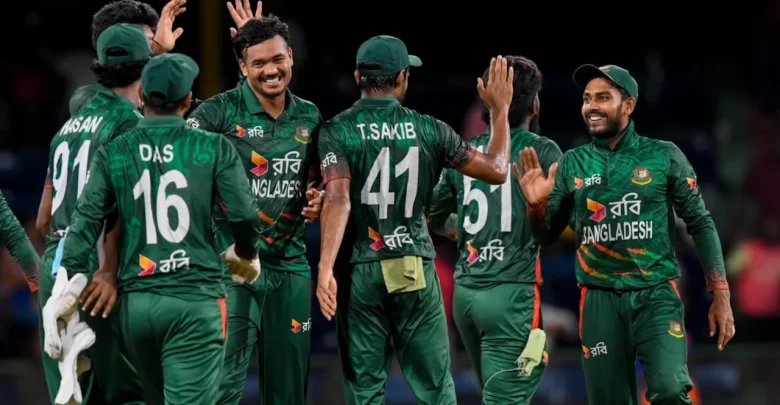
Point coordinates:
pixel 166 36
pixel 241 13
pixel 497 93
pixel 536 186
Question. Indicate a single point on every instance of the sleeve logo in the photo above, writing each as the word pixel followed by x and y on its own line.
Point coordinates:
pixel 691 182
pixel 193 123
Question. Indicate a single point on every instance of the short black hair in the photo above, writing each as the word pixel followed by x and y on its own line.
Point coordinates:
pixel 168 108
pixel 376 83
pixel 257 31
pixel 123 11
pixel 527 85
pixel 118 74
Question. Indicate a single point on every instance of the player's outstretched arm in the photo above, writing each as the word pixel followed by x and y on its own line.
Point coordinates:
pixel 689 206
pixel 335 214
pixel 43 221
pixel 241 207
pixel 442 219
pixel 492 166
pixel 13 236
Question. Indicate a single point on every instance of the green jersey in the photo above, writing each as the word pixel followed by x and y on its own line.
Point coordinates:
pixel 276 155
pixel 494 245
pixel 104 116
pixel 82 96
pixel 393 156
pixel 622 205
pixel 13 237
pixel 164 178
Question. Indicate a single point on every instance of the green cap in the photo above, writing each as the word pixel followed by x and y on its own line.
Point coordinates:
pixel 167 78
pixel 131 41
pixel 388 53
pixel 585 73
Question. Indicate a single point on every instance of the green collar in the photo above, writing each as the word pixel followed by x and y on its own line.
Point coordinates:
pixel 627 139
pixel 377 102
pixel 162 121
pixel 253 104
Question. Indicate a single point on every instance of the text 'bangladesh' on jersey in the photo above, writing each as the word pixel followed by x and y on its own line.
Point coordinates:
pixel 276 154
pixel 394 157
pixel 624 203
pixel 495 242
pixel 164 178
pixel 100 119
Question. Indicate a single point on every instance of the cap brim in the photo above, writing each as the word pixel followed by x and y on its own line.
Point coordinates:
pixel 585 73
pixel 415 61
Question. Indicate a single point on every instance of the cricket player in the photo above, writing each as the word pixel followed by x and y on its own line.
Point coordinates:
pixel 273 132
pixel 622 192
pixel 497 306
pixel 13 237
pixel 162 36
pixel 386 159
pixel 123 50
pixel 164 178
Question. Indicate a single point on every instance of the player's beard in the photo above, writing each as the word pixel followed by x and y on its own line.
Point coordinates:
pixel 611 128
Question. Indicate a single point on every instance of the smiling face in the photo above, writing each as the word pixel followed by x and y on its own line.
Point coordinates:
pixel 268 66
pixel 605 108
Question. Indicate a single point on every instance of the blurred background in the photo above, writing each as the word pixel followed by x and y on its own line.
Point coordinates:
pixel 708 80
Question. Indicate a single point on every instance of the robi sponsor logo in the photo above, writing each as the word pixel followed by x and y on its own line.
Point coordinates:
pixel 629 205
pixel 298 327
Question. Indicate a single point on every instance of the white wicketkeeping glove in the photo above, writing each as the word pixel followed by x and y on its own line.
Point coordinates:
pixel 241 271
pixel 76 337
pixel 61 306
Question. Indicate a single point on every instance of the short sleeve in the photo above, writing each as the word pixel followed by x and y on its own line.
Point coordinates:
pixel 332 153
pixel 455 150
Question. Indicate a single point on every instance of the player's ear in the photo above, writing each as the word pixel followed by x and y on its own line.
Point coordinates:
pixel 290 55
pixel 141 94
pixel 187 99
pixel 628 105
pixel 357 77
pixel 243 67
pixel 536 105
pixel 400 79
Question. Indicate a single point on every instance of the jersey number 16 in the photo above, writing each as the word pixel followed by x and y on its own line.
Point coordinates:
pixel 163 203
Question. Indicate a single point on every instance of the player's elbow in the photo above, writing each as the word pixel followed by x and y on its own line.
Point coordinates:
pixel 497 174
pixel 699 225
pixel 337 200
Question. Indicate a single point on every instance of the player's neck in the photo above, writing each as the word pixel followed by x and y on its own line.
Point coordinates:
pixel 613 141
pixel 273 106
pixel 129 92
pixel 376 94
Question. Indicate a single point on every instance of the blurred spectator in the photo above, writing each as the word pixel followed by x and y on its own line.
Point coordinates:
pixel 473 124
pixel 754 266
